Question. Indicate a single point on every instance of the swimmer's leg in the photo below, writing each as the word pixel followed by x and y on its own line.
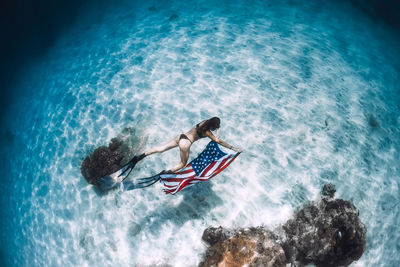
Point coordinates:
pixel 158 149
pixel 184 146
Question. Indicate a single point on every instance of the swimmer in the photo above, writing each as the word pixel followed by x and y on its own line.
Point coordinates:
pixel 185 141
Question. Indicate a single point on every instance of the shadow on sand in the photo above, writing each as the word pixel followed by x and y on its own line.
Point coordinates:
pixel 197 202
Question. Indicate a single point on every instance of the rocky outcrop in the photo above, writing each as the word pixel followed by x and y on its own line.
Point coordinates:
pixel 108 159
pixel 327 232
pixel 242 247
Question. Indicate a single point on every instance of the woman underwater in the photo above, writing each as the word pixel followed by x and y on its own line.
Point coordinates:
pixel 185 141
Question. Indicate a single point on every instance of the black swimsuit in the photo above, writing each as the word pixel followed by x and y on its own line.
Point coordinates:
pixel 199 134
pixel 183 136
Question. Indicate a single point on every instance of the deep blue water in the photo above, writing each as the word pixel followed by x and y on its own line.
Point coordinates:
pixel 309 90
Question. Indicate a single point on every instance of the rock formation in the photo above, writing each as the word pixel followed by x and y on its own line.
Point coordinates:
pixel 242 247
pixel 108 159
pixel 327 232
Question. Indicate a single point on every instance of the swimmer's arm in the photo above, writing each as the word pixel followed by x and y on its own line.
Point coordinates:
pixel 222 143
pixel 217 134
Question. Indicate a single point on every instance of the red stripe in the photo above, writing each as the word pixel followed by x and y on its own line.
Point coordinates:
pixel 208 168
pixel 181 186
pixel 177 179
pixel 168 191
pixel 184 182
pixel 185 172
pixel 223 168
pixel 219 164
pixel 224 164
pixel 187 183
pixel 196 179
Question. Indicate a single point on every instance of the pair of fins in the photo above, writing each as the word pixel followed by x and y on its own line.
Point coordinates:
pixel 125 171
pixel 139 183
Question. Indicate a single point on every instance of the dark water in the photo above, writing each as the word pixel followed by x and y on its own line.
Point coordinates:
pixel 30 28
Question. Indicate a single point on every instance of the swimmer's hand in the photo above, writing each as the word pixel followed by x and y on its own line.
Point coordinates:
pixel 237 149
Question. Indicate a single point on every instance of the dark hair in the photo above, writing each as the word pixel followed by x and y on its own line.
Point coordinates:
pixel 209 125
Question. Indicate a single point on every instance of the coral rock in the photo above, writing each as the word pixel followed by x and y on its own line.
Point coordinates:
pixel 108 159
pixel 327 233
pixel 251 247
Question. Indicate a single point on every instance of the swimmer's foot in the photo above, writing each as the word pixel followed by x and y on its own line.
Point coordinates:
pixel 166 172
pixel 127 169
pixel 136 159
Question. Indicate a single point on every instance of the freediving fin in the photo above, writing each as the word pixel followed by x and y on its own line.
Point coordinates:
pixel 140 183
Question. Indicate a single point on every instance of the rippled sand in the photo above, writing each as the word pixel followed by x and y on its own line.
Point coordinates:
pixel 310 91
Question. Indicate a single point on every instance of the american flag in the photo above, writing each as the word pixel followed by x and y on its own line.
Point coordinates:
pixel 209 163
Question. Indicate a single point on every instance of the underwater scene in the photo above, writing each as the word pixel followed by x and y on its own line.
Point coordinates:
pixel 309 90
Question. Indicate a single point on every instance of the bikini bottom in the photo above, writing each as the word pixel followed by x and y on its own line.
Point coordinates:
pixel 183 136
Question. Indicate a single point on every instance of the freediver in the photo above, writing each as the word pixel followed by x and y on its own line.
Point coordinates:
pixel 185 141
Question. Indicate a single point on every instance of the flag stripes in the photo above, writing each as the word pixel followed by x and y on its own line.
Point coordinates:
pixel 209 163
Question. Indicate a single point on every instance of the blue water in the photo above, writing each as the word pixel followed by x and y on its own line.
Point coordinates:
pixel 309 89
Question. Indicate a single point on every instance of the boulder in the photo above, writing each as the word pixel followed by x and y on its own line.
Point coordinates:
pixel 328 191
pixel 327 232
pixel 105 160
pixel 242 247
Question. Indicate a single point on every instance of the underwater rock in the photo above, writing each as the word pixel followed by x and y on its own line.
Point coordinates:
pixel 327 232
pixel 373 122
pixel 328 190
pixel 105 160
pixel 242 247
pixel 213 235
pixel 173 17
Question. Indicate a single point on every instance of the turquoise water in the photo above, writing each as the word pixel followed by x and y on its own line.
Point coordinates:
pixel 310 90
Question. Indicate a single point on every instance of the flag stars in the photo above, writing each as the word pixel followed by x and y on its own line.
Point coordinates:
pixel 210 154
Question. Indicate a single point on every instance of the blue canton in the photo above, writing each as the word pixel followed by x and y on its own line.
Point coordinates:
pixel 210 154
